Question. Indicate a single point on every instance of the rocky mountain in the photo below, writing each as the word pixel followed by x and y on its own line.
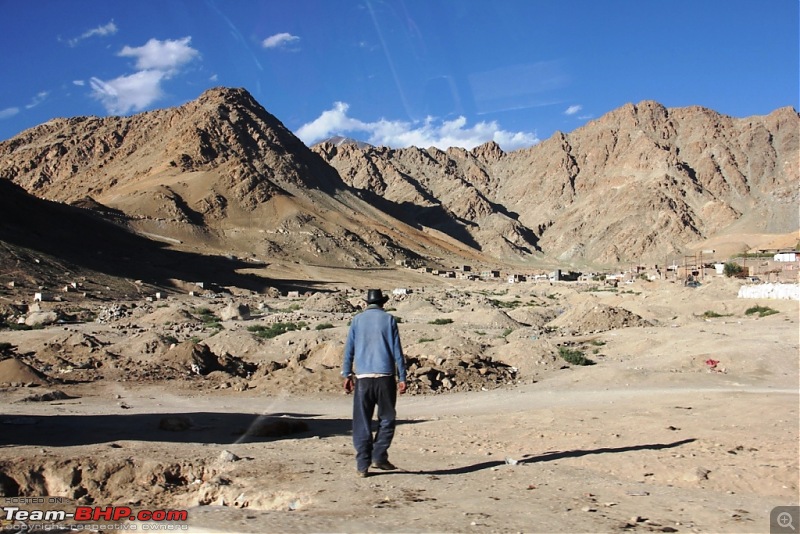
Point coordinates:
pixel 639 183
pixel 220 175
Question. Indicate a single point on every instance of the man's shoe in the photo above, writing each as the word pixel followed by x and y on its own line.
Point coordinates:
pixel 362 474
pixel 384 466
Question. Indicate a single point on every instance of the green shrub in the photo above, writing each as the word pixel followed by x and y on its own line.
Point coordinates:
pixel 15 326
pixel 573 356
pixel 762 311
pixel 425 340
pixel 323 326
pixel 274 330
pixel 732 269
pixel 506 332
pixel 440 321
pixel 710 314
pixel 205 315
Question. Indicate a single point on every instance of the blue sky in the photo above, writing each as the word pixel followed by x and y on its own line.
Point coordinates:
pixel 400 72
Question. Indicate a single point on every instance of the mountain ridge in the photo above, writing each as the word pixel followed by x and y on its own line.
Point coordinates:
pixel 222 174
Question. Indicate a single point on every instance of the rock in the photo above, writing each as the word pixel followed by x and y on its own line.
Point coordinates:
pixel 47 397
pixel 41 318
pixel 697 475
pixel 235 312
pixel 228 456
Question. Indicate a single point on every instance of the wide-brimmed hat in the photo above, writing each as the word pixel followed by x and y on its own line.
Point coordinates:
pixel 375 296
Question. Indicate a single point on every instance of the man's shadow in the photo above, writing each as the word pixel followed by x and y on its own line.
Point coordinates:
pixel 547 457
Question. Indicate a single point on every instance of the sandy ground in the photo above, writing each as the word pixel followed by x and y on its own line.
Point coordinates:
pixel 652 438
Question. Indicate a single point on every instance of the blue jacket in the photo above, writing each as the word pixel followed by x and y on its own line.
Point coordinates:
pixel 373 345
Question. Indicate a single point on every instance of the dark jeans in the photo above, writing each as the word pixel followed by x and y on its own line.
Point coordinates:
pixel 369 393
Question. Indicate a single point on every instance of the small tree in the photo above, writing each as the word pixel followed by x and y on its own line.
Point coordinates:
pixel 732 269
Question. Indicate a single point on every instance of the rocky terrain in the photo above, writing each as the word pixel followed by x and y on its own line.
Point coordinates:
pixel 535 407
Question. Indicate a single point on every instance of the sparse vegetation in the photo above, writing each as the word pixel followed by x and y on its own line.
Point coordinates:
pixel 762 311
pixel 440 321
pixel 506 332
pixel 574 356
pixel 323 326
pixel 503 304
pixel 207 317
pixel 274 330
pixel 16 326
pixel 425 340
pixel 732 269
pixel 710 314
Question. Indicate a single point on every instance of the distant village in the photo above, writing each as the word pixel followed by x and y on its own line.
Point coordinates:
pixel 760 266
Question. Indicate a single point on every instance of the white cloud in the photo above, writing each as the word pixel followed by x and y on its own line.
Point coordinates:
pixel 400 134
pixel 213 78
pixel 79 83
pixel 38 99
pixel 163 56
pixel 8 112
pixel 572 110
pixel 279 40
pixel 102 31
pixel 157 61
pixel 128 93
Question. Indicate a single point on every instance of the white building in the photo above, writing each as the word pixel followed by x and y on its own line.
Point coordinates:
pixel 785 256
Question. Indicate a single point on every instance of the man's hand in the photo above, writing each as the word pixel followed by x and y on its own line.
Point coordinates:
pixel 348 385
pixel 401 387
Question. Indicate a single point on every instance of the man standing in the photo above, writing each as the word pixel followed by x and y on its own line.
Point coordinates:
pixel 373 345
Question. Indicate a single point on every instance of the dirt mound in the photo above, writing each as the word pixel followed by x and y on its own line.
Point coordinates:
pixel 192 357
pixel 169 314
pixel 589 317
pixel 468 373
pixel 329 303
pixel 537 317
pixel 16 372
